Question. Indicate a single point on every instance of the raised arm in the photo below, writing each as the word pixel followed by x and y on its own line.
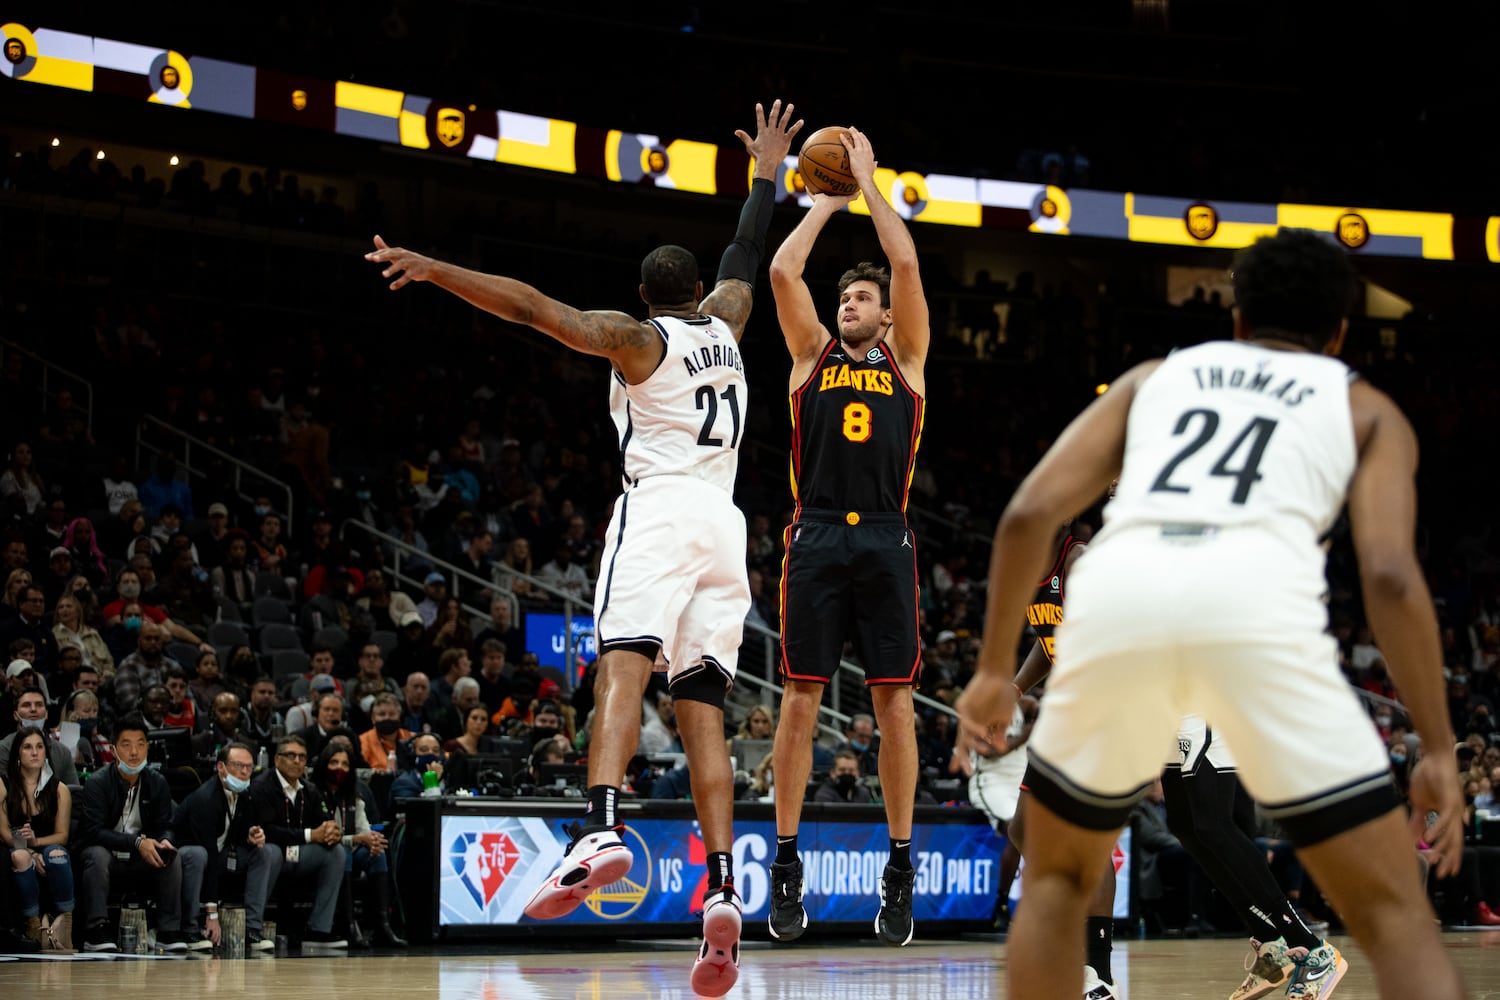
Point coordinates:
pixel 805 336
pixel 625 340
pixel 910 330
pixel 734 291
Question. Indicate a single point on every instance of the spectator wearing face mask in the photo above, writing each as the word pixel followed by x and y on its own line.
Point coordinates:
pixel 1383 722
pixel 1480 721
pixel 377 745
pixel 365 848
pixel 427 755
pixel 860 739
pixel 124 828
pixel 546 722
pixel 31 713
pixel 216 834
pixel 843 784
pixel 120 629
pixel 93 749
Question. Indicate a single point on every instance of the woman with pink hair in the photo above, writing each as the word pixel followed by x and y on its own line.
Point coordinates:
pixel 82 542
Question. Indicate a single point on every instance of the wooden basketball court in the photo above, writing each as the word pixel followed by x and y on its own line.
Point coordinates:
pixel 973 967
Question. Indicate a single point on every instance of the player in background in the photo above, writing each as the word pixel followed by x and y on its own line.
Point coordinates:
pixel 1209 812
pixel 1203 594
pixel 850 568
pixel 674 590
pixel 1044 613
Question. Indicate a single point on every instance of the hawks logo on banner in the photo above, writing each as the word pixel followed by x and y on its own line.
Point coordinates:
pixel 482 861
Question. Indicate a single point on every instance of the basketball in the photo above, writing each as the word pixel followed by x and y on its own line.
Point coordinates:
pixel 824 163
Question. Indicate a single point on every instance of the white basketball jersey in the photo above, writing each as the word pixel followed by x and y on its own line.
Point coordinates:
pixel 1228 434
pixel 688 417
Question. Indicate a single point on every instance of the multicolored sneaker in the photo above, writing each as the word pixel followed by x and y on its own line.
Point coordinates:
pixel 1317 973
pixel 718 964
pixel 596 857
pixel 1267 967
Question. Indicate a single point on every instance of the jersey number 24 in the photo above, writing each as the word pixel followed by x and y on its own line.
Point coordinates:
pixel 1252 439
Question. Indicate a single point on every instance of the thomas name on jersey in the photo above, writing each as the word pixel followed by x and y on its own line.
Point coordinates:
pixel 1259 381
pixel 708 356
pixel 859 378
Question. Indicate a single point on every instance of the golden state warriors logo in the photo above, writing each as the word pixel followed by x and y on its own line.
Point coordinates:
pixel 620 899
pixel 1352 229
pixel 1202 221
pixel 450 126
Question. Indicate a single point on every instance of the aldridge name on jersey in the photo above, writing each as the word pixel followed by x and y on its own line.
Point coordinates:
pixel 712 354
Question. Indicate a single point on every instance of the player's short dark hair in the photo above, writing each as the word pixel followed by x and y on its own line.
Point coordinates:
pixel 1295 283
pixel 669 275
pixel 866 271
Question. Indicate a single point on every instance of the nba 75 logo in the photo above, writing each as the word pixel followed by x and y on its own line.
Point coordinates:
pixel 482 861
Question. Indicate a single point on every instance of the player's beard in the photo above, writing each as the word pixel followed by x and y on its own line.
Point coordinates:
pixel 861 335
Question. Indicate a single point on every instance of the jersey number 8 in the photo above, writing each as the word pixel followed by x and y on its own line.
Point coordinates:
pixel 857 422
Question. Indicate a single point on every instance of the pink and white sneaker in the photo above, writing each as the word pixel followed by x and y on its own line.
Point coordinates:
pixel 718 964
pixel 596 857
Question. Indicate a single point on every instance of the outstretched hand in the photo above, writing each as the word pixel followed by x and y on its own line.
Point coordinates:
pixel 410 265
pixel 773 137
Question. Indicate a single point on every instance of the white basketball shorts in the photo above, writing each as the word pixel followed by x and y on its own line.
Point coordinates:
pixel 1156 630
pixel 673 575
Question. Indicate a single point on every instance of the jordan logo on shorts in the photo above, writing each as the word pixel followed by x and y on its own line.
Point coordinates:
pixel 906 539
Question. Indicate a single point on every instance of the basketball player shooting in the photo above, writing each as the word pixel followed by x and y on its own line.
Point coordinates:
pixel 1202 594
pixel 675 590
pixel 851 558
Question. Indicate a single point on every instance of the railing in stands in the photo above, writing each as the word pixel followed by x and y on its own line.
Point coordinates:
pixel 241 472
pixel 399 556
pixel 55 378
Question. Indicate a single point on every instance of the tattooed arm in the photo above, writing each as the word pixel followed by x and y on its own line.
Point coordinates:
pixel 730 301
pixel 630 344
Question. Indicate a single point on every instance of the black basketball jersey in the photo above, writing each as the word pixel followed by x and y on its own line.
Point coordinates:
pixel 1045 610
pixel 856 426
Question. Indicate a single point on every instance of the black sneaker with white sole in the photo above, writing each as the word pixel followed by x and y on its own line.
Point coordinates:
pixel 788 919
pixel 172 942
pixel 893 923
pixel 100 936
pixel 323 941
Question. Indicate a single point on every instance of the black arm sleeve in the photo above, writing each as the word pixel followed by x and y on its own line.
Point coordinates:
pixel 741 258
